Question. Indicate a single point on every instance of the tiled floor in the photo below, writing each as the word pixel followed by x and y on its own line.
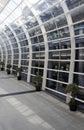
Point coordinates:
pixel 21 108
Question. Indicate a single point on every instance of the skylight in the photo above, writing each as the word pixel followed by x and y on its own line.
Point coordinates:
pixel 15 9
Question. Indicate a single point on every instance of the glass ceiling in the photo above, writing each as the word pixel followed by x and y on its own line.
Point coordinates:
pixel 3 4
pixel 13 9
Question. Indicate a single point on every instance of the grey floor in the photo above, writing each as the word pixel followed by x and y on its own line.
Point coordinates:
pixel 21 108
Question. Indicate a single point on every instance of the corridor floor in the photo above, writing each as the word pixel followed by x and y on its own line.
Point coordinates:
pixel 22 108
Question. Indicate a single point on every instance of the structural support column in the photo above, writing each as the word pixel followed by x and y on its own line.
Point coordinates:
pixel 19 63
pixel 71 29
pixel 30 52
pixel 12 54
pixel 45 43
pixel 1 52
pixel 5 51
pixel 46 53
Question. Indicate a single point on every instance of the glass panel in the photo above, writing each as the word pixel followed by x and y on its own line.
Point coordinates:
pixel 35 31
pixel 13 40
pixel 51 84
pixel 52 35
pixel 50 25
pixel 14 25
pixel 18 30
pixel 65 54
pixel 53 64
pixel 15 50
pixel 56 10
pixel 24 76
pixel 21 36
pixel 61 88
pixel 24 62
pixel 23 43
pixel 35 48
pixel 41 6
pixel 79 28
pixel 30 23
pixel 53 45
pixel 39 55
pixel 24 50
pixel 51 2
pixel 40 39
pixel 79 79
pixel 74 3
pixel 80 54
pixel 63 77
pixel 79 67
pixel 34 40
pixel 38 31
pixel 78 14
pixel 41 48
pixel 61 21
pixel 79 42
pixel 52 74
pixel 46 16
pixel 15 45
pixel 26 13
pixel 37 70
pixel 24 56
pixel 54 55
pixel 34 22
pixel 65 45
pixel 59 45
pixel 64 66
pixel 31 33
pixel 64 32
pixel 38 64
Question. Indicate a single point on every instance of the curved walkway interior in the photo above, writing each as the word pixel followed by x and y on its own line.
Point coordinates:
pixel 22 108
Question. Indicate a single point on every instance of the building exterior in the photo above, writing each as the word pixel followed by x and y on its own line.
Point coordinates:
pixel 45 36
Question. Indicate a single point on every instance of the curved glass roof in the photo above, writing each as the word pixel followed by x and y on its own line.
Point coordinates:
pixel 3 4
pixel 13 9
pixel 21 9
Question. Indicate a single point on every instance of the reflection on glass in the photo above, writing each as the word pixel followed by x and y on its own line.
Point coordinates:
pixel 78 15
pixel 74 3
pixel 46 16
pixel 41 6
pixel 79 28
pixel 50 25
pixel 56 10
pixel 79 79
pixel 79 67
pixel 80 54
pixel 79 42
pixel 51 2
pixel 61 21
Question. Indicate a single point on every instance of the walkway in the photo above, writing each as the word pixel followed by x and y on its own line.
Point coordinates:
pixel 22 108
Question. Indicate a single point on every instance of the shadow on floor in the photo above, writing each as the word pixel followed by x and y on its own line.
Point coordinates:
pixel 17 93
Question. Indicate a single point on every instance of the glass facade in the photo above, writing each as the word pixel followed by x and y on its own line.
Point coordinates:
pixel 46 37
